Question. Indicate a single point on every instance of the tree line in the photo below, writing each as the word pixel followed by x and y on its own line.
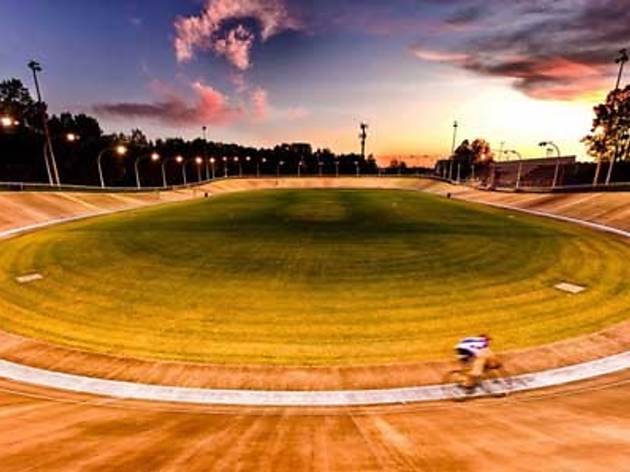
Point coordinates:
pixel 78 139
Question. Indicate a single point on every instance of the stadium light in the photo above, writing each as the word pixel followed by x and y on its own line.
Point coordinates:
pixel 120 149
pixel 225 167
pixel 515 152
pixel 182 161
pixel 154 156
pixel 556 173
pixel 240 166
pixel 178 159
pixel 8 122
pixel 72 137
pixel 212 161
pixel 198 161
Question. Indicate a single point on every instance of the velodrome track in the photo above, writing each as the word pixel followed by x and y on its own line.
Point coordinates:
pixel 579 427
pixel 586 424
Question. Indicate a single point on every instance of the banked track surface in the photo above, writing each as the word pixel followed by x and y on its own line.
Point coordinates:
pixel 160 393
pixel 163 393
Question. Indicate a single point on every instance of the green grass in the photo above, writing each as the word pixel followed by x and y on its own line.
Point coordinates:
pixel 310 277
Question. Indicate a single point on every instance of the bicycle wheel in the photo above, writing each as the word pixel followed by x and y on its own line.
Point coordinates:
pixel 453 385
pixel 495 384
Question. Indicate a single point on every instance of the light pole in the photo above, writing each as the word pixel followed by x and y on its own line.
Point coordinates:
pixel 556 173
pixel 48 147
pixel 621 60
pixel 198 161
pixel 300 164
pixel 356 164
pixel 248 159
pixel 240 166
pixel 455 126
pixel 178 159
pixel 225 167
pixel 154 157
pixel 515 152
pixel 184 163
pixel 119 150
pixel 212 161
pixel 336 167
pixel 204 130
pixel 258 162
pixel 280 164
pixel 450 168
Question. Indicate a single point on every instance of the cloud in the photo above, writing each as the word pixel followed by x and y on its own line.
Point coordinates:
pixel 229 28
pixel 260 103
pixel 439 56
pixel 211 107
pixel 550 49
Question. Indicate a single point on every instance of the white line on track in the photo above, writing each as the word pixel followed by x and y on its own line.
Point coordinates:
pixel 204 396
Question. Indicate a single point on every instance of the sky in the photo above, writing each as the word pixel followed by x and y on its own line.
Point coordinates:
pixel 262 72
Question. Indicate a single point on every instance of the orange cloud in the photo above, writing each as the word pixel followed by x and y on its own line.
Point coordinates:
pixel 211 107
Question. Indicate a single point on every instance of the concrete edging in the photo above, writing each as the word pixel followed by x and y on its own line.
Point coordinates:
pixel 172 394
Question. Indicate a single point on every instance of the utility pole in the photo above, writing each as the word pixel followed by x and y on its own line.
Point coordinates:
pixel 48 148
pixel 363 136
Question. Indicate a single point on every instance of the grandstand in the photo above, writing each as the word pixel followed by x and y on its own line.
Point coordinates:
pixel 528 173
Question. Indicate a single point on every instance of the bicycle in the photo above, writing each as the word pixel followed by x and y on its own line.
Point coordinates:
pixel 493 382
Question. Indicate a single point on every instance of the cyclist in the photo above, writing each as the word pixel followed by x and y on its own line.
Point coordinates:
pixel 475 355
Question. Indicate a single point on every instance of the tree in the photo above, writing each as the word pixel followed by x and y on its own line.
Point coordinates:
pixel 467 153
pixel 15 100
pixel 609 137
pixel 481 151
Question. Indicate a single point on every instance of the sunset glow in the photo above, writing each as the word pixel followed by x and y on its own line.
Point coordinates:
pixel 262 72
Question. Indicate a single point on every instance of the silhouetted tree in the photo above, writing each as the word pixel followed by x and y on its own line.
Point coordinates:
pixel 16 100
pixel 609 139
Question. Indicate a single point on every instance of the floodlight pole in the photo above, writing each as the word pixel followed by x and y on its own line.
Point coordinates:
pixel 363 137
pixel 455 126
pixel 621 60
pixel 556 173
pixel 35 68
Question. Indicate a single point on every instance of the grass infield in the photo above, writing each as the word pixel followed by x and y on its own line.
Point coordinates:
pixel 310 277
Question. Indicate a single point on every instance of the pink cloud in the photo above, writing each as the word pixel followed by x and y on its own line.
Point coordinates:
pixel 438 56
pixel 260 103
pixel 208 31
pixel 296 113
pixel 211 107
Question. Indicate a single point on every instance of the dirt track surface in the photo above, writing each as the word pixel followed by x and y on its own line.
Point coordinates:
pixel 578 427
